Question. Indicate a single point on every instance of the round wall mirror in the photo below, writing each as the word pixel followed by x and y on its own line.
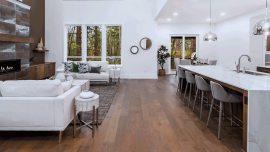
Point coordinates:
pixel 134 49
pixel 145 43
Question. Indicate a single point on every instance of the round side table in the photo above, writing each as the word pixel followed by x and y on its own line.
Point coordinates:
pixel 115 74
pixel 86 105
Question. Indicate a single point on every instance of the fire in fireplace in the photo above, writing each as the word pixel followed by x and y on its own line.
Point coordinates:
pixel 10 66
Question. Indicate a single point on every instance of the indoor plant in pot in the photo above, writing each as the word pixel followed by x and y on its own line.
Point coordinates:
pixel 162 56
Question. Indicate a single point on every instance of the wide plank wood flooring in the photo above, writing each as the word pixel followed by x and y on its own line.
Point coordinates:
pixel 146 116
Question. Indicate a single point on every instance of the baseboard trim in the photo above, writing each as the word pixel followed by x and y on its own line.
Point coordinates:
pixel 139 76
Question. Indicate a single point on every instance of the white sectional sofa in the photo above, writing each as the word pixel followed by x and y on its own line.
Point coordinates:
pixel 36 105
pixel 104 75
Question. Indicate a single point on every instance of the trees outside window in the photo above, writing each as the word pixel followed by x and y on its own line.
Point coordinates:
pixel 74 43
pixel 113 38
pixel 94 43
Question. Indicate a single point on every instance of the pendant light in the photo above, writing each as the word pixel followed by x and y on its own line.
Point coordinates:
pixel 210 36
pixel 263 26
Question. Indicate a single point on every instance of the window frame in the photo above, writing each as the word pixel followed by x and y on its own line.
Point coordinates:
pixel 84 40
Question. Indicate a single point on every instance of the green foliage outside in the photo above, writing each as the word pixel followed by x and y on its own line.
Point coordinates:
pixel 178 53
pixel 162 55
pixel 114 43
pixel 94 43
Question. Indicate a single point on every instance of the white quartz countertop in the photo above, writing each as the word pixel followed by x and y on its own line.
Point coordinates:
pixel 226 75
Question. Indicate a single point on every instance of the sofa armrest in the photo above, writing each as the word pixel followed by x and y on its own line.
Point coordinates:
pixel 65 106
pixel 60 69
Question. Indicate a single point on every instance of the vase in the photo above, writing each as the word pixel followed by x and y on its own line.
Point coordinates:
pixel 161 72
pixel 86 94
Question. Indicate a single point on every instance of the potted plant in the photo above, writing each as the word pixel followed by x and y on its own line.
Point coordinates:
pixel 162 56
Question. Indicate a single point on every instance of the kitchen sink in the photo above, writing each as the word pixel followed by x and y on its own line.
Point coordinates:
pixel 253 73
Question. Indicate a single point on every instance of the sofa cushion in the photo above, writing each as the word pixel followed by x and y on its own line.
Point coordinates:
pixel 104 64
pixel 66 85
pixel 83 67
pixel 0 91
pixel 95 69
pixel 68 66
pixel 93 76
pixel 31 88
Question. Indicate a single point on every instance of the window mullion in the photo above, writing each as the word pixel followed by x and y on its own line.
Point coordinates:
pixel 84 42
pixel 104 46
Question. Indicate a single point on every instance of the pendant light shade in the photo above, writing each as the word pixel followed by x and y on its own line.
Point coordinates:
pixel 210 36
pixel 263 26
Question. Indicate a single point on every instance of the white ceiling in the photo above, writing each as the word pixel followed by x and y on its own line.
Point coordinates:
pixel 198 11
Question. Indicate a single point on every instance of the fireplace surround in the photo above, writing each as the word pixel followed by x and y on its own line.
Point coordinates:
pixel 10 66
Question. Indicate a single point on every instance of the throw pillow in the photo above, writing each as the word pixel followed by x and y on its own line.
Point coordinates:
pixel 67 85
pixel 75 68
pixel 95 69
pixel 83 67
pixel 68 66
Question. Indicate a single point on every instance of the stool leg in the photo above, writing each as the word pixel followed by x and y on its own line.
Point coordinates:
pixel 231 114
pixel 80 117
pixel 185 92
pixel 97 116
pixel 74 121
pixel 207 93
pixel 223 112
pixel 94 112
pixel 212 103
pixel 181 87
pixel 189 93
pixel 178 85
pixel 195 100
pixel 220 118
pixel 201 106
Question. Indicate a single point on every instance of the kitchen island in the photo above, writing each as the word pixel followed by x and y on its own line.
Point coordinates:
pixel 256 101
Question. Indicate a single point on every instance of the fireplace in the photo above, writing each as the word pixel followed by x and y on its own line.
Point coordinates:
pixel 10 66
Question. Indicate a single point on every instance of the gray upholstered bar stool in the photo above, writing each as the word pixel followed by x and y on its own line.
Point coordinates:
pixel 204 87
pixel 190 80
pixel 177 63
pixel 213 62
pixel 181 76
pixel 219 93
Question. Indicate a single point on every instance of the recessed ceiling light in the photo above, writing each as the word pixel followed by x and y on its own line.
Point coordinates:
pixel 222 14
pixel 168 19
pixel 208 19
pixel 175 14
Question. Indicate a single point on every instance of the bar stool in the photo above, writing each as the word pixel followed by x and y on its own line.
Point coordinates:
pixel 181 76
pixel 220 94
pixel 202 86
pixel 190 80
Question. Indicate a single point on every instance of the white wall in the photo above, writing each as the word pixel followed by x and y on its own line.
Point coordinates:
pixel 205 49
pixel 159 6
pixel 54 31
pixel 234 41
pixel 136 17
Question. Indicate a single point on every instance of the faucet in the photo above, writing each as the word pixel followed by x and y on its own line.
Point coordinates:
pixel 239 60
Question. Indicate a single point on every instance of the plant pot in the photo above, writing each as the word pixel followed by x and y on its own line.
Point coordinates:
pixel 161 72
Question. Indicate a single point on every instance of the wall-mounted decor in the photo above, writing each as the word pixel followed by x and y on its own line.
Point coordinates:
pixel 134 49
pixel 145 43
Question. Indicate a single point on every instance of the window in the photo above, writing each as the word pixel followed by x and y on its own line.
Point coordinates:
pixel 113 35
pixel 190 46
pixel 176 50
pixel 74 43
pixel 94 43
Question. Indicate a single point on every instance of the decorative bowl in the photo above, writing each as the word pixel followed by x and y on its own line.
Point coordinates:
pixel 86 94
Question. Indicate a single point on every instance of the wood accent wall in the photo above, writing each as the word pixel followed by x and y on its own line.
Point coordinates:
pixel 37 27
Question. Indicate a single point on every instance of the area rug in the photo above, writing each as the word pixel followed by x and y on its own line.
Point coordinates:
pixel 106 95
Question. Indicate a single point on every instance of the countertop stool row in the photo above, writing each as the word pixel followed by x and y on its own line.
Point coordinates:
pixel 217 92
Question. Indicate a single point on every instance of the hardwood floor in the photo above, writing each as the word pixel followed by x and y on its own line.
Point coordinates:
pixel 146 116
